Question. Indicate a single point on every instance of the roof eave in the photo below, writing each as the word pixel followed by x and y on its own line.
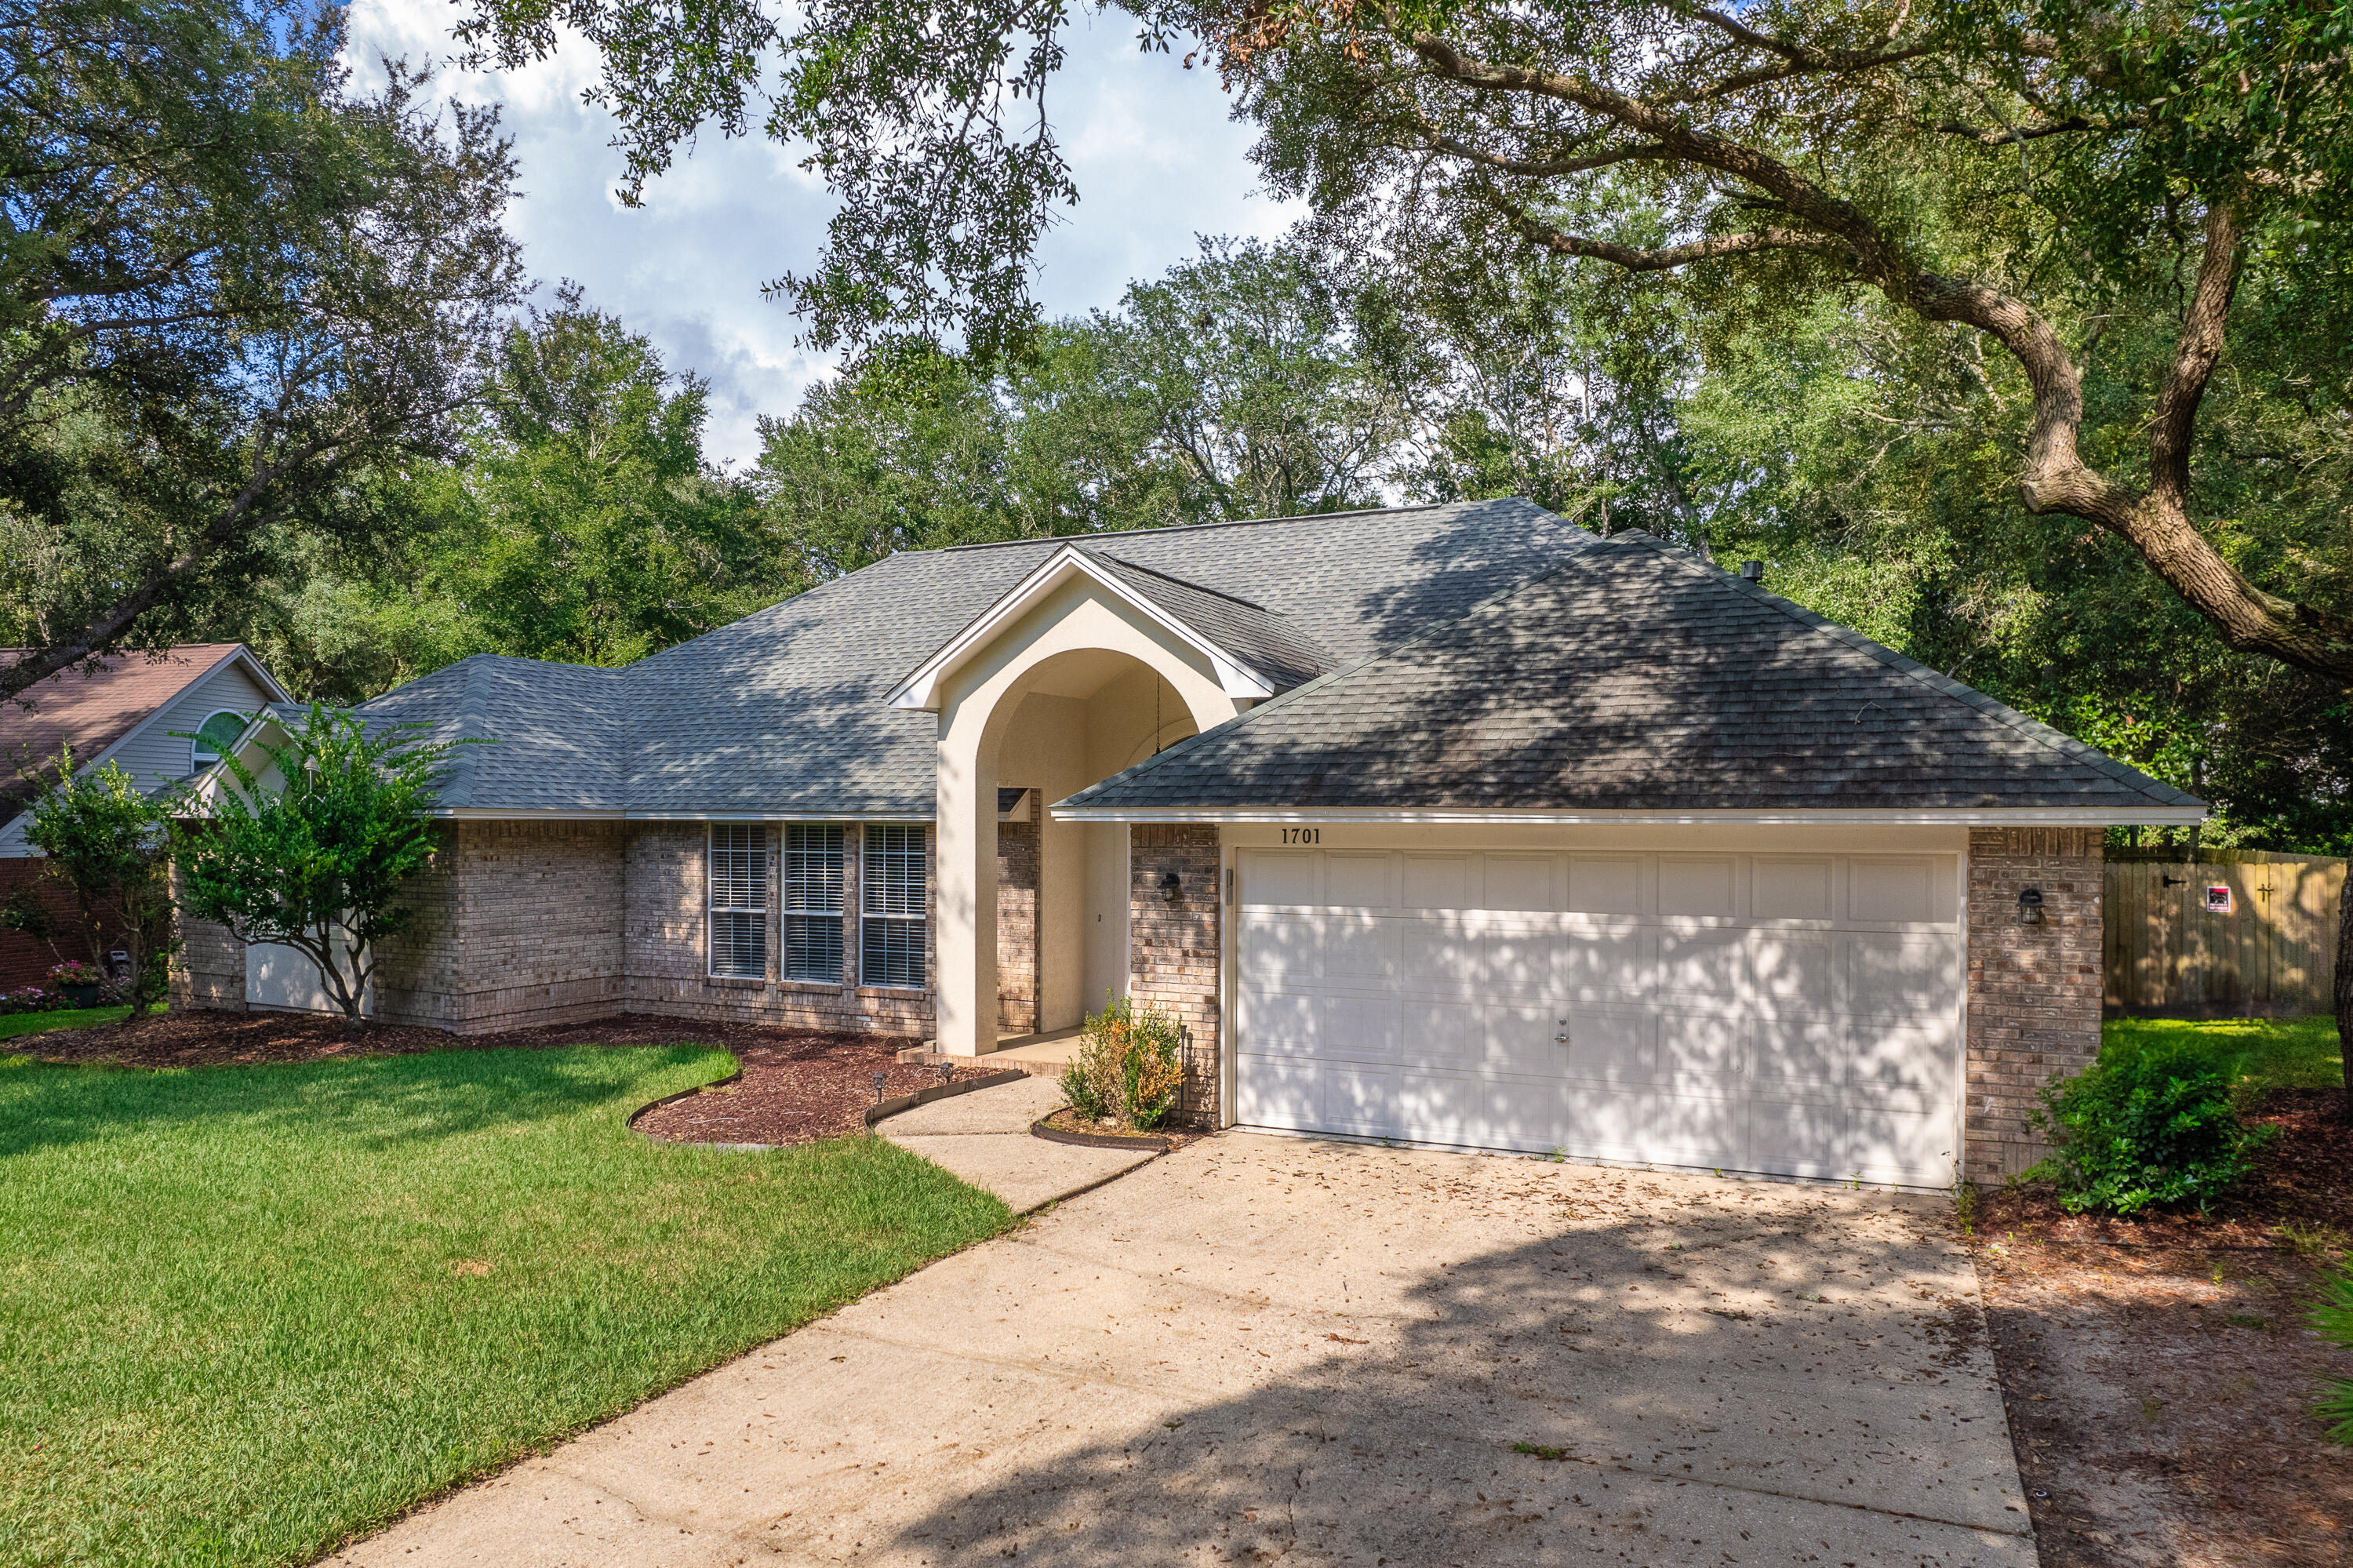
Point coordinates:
pixel 1568 816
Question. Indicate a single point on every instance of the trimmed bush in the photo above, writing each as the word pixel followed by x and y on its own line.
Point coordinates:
pixel 1129 1067
pixel 2149 1127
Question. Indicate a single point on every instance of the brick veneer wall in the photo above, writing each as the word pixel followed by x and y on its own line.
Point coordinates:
pixel 1017 922
pixel 1172 948
pixel 2033 990
pixel 535 909
pixel 209 968
pixel 667 961
pixel 26 960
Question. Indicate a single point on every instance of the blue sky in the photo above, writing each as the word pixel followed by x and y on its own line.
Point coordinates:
pixel 1155 158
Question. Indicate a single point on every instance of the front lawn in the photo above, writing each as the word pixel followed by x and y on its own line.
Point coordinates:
pixel 2274 1053
pixel 16 1023
pixel 247 1312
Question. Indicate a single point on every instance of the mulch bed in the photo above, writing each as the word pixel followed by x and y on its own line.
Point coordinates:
pixel 2159 1371
pixel 796 1084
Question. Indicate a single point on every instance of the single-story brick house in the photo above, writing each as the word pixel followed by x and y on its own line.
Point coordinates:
pixel 162 717
pixel 1455 824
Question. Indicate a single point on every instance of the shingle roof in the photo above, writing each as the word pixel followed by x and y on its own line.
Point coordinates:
pixel 91 711
pixel 783 711
pixel 1630 677
pixel 1256 635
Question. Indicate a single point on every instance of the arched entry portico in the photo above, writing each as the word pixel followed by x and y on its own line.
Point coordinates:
pixel 1078 683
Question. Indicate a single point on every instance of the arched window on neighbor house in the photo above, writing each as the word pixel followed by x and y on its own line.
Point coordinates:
pixel 216 735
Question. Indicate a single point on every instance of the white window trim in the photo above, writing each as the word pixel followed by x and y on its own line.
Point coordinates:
pixel 712 907
pixel 866 860
pixel 197 760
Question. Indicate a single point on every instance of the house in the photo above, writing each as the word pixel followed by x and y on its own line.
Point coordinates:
pixel 163 716
pixel 1454 825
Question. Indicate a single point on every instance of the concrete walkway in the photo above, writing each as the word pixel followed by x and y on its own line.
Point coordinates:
pixel 984 1137
pixel 1259 1348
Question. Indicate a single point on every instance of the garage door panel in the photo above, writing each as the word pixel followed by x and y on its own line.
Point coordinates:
pixel 1278 1092
pixel 1810 1051
pixel 1439 1033
pixel 1523 1040
pixel 1611 1045
pixel 1691 1130
pixel 1521 882
pixel 1359 880
pixel 1286 879
pixel 1361 1101
pixel 1905 975
pixel 1900 890
pixel 1276 950
pixel 1798 1137
pixel 1606 1124
pixel 1524 1113
pixel 1709 888
pixel 1605 885
pixel 1435 1107
pixel 1898 1056
pixel 1601 964
pixel 1436 955
pixel 1699 1050
pixel 1789 889
pixel 1711 964
pixel 1278 1023
pixel 1907 1145
pixel 1436 881
pixel 1522 960
pixel 1357 1028
pixel 1358 947
pixel 1791 970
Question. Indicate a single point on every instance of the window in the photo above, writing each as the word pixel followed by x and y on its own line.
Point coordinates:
pixel 813 903
pixel 893 877
pixel 216 735
pixel 739 900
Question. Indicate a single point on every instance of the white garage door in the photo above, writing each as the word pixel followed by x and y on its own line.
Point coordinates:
pixel 1792 1014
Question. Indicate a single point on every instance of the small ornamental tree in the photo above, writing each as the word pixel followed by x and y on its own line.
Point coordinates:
pixel 109 841
pixel 316 863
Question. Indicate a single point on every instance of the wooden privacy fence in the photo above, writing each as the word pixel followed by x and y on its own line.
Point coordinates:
pixel 2171 949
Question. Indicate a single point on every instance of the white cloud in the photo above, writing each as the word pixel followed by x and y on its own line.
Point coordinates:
pixel 1155 160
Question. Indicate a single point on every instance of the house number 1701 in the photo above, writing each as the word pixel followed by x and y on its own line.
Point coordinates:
pixel 1303 835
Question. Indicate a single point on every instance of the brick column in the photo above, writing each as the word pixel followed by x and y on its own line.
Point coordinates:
pixel 2034 990
pixel 1172 948
pixel 1017 922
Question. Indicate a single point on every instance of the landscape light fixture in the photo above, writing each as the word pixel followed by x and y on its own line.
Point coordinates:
pixel 882 1082
pixel 2030 906
pixel 947 1070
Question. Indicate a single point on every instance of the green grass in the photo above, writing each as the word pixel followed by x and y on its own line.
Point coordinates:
pixel 16 1023
pixel 2274 1053
pixel 246 1312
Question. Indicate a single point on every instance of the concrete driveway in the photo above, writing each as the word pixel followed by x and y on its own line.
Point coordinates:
pixel 1261 1349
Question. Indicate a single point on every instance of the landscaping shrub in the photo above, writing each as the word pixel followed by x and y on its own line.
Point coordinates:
pixel 2154 1127
pixel 1130 1063
pixel 2334 1318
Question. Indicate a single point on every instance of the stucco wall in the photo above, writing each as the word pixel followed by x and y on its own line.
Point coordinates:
pixel 1174 949
pixel 2034 990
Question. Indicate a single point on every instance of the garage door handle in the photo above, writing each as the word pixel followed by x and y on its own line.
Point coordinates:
pixel 1562 1038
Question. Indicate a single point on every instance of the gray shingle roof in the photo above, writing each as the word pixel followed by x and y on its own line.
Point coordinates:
pixel 1264 641
pixel 1630 677
pixel 782 711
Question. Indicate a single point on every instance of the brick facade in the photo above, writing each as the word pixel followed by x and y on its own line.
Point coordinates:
pixel 667 963
pixel 2033 990
pixel 1173 946
pixel 1017 921
pixel 208 972
pixel 25 960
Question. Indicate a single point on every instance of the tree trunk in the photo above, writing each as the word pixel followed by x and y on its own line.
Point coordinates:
pixel 2345 987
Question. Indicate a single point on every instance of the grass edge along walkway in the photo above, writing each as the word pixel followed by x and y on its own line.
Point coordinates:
pixel 247 1314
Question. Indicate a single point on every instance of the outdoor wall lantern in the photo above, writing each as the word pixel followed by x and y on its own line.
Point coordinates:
pixel 1172 886
pixel 2030 906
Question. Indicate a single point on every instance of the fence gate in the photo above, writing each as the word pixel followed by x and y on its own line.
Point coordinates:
pixel 2234 933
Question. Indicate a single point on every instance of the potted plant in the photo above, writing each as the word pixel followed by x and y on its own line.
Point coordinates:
pixel 78 981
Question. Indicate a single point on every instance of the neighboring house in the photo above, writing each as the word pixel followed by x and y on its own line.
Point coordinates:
pixel 164 717
pixel 1456 824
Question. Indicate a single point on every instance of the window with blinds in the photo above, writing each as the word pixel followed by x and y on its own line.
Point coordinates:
pixel 894 897
pixel 813 887
pixel 739 900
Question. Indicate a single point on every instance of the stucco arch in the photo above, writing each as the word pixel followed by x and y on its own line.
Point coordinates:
pixel 1045 682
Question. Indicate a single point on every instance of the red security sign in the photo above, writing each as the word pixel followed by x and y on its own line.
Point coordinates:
pixel 2217 901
